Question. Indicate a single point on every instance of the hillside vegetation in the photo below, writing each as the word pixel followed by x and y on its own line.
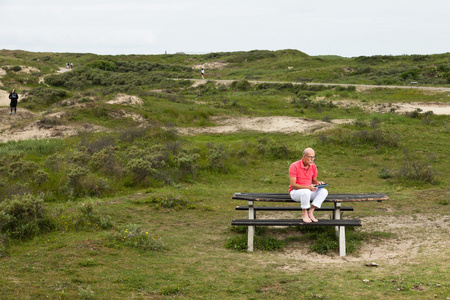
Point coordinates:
pixel 127 207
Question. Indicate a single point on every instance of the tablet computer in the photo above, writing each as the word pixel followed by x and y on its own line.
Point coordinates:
pixel 322 185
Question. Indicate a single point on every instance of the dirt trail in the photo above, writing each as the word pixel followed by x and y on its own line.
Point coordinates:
pixel 358 86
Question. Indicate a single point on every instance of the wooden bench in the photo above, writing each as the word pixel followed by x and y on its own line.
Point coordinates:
pixel 336 220
pixel 291 208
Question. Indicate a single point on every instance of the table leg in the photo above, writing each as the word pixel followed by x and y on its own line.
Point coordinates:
pixel 340 230
pixel 251 229
pixel 337 215
pixel 342 249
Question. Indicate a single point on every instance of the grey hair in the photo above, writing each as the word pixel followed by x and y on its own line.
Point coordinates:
pixel 304 151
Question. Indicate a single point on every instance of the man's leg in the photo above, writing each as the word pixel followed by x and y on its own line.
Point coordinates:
pixel 304 197
pixel 317 198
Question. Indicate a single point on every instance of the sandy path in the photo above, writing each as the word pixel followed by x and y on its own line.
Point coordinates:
pixel 358 86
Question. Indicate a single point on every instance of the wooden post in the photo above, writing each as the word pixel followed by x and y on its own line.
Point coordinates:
pixel 251 229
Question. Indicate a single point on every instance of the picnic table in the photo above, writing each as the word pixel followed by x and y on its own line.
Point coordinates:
pixel 337 208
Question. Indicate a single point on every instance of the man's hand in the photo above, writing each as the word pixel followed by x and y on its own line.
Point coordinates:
pixel 313 188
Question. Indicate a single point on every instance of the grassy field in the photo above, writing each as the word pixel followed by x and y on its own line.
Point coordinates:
pixel 138 211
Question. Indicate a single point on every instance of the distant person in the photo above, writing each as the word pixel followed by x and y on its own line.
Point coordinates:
pixel 14 98
pixel 67 66
pixel 199 94
pixel 71 65
pixel 303 180
pixel 203 73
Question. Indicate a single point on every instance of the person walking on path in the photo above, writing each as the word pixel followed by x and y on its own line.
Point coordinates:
pixel 303 189
pixel 203 73
pixel 14 98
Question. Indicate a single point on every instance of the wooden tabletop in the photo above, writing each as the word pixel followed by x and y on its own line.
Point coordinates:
pixel 284 197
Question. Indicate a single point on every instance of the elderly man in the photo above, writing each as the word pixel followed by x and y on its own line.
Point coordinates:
pixel 303 185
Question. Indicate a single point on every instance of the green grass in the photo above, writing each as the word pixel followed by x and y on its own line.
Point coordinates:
pixel 117 231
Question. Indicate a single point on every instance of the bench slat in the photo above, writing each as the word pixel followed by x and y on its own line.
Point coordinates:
pixel 293 208
pixel 284 197
pixel 295 222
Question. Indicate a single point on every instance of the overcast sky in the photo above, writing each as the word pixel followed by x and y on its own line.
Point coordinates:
pixel 317 27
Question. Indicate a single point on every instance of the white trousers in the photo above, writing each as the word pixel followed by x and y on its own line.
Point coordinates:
pixel 305 196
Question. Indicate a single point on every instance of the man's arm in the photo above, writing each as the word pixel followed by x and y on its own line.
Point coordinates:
pixel 316 182
pixel 296 186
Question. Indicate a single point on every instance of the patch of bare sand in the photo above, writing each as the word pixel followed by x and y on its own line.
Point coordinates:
pixel 211 65
pixel 264 124
pixel 23 126
pixel 4 98
pixel 125 114
pixel 414 236
pixel 436 108
pixel 126 100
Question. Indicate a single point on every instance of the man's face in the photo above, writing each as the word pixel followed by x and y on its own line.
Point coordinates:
pixel 308 159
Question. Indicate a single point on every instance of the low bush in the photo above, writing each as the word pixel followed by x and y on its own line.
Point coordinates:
pixel 133 236
pixel 417 171
pixel 217 157
pixel 43 97
pixel 89 219
pixel 372 138
pixel 24 216
pixel 273 149
pixel 243 85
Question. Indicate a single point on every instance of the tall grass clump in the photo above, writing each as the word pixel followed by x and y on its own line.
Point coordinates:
pixel 133 236
pixel 33 147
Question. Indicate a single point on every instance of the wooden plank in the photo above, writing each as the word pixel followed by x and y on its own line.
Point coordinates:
pixel 292 208
pixel 284 197
pixel 295 222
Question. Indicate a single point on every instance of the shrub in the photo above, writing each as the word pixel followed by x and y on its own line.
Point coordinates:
pixel 375 138
pixel 105 160
pixel 23 216
pixel 140 169
pixel 217 158
pixel 102 65
pixel 129 135
pixel 88 219
pixel 44 96
pixel 237 242
pixel 186 163
pixel 21 169
pixel 40 177
pixel 75 175
pixel 133 236
pixel 243 85
pixel 16 69
pixel 98 144
pixel 170 202
pixel 272 149
pixel 385 173
pixel 417 171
